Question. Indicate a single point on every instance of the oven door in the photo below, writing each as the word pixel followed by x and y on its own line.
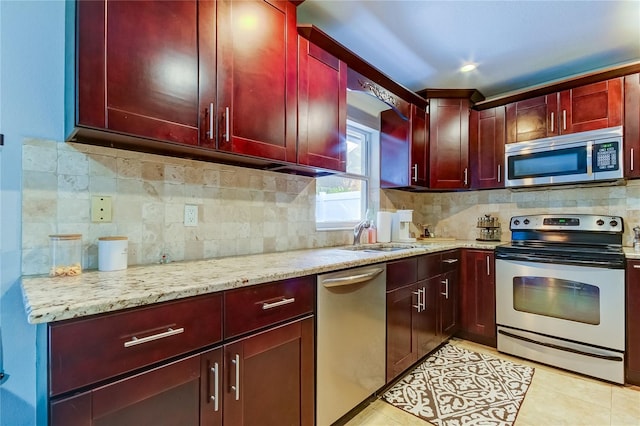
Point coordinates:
pixel 577 303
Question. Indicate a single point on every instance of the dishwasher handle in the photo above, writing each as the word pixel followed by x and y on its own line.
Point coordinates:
pixel 352 279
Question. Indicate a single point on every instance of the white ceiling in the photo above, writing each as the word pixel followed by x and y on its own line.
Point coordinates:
pixel 516 44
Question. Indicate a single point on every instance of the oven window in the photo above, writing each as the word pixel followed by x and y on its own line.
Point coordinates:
pixel 557 298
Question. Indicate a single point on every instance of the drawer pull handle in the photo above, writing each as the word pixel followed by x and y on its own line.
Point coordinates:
pixel 636 266
pixel 449 261
pixel 170 332
pixel 284 301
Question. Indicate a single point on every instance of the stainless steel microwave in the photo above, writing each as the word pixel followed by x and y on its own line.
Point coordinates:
pixel 593 156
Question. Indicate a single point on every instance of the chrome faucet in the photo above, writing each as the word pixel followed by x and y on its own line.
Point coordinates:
pixel 357 231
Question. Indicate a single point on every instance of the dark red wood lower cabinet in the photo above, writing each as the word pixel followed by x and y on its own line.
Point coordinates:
pixel 167 395
pixel 269 377
pixel 633 323
pixel 477 297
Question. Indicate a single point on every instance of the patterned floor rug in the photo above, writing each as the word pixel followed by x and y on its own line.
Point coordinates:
pixel 458 387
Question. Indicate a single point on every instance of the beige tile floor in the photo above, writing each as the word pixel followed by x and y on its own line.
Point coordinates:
pixel 555 397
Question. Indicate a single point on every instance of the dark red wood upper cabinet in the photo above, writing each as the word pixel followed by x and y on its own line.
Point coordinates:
pixel 533 118
pixel 486 148
pixel 404 145
pixel 633 322
pixel 449 143
pixel 137 68
pixel 632 126
pixel 591 107
pixel 322 108
pixel 257 73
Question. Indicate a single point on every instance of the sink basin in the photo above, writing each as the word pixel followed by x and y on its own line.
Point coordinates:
pixel 379 247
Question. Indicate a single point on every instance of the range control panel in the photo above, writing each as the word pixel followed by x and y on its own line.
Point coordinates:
pixel 569 222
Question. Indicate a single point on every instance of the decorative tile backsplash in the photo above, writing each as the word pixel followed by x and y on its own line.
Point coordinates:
pixel 240 211
pixel 454 214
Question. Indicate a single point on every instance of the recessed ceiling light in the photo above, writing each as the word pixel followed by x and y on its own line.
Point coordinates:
pixel 467 67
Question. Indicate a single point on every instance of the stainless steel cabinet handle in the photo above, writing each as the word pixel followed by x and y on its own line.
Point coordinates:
pixel 632 159
pixel 446 288
pixel 351 279
pixel 236 387
pixel 488 267
pixel 552 121
pixel 499 173
pixel 564 119
pixel 170 332
pixel 415 172
pixel 636 266
pixel 284 301
pixel 424 298
pixel 450 261
pixel 466 176
pixel 419 299
pixel 211 115
pixel 216 383
pixel 226 124
pixel 417 306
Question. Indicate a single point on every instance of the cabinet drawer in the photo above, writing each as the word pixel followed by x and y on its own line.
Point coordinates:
pixel 254 307
pixel 89 350
pixel 450 260
pixel 401 273
pixel 429 266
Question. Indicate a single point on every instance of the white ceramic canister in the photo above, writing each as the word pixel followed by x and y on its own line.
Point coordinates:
pixel 112 253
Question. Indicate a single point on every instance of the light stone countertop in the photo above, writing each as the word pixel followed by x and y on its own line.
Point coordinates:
pixel 630 253
pixel 49 299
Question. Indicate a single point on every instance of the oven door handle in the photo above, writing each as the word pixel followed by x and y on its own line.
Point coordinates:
pixel 561 348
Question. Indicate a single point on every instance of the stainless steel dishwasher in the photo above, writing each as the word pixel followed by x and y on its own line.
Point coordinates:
pixel 351 329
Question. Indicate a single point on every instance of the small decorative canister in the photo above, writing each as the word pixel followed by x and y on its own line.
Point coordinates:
pixel 112 253
pixel 66 255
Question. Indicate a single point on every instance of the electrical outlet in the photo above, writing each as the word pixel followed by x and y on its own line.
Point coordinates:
pixel 190 215
pixel 100 208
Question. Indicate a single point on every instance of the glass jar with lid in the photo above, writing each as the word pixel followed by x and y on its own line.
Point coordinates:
pixel 65 254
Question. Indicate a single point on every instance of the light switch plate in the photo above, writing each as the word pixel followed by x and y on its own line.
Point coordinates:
pixel 100 208
pixel 190 215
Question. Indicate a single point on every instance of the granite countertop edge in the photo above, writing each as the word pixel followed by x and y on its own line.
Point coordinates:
pixel 49 299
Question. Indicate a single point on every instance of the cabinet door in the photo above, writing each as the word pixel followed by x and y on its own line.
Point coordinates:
pixel 322 108
pixel 395 150
pixel 402 348
pixel 425 322
pixel 591 107
pixel 419 147
pixel 477 297
pixel 486 148
pixel 633 322
pixel 448 304
pixel 257 67
pixel 137 65
pixel 269 377
pixel 533 118
pixel 632 126
pixel 169 394
pixel 449 143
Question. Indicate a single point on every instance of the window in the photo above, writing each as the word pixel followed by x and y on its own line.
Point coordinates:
pixel 342 200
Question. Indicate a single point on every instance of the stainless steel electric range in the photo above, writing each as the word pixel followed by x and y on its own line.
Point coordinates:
pixel 560 293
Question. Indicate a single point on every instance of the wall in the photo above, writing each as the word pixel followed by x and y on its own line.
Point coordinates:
pixel 32 82
pixel 454 214
pixel 240 211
